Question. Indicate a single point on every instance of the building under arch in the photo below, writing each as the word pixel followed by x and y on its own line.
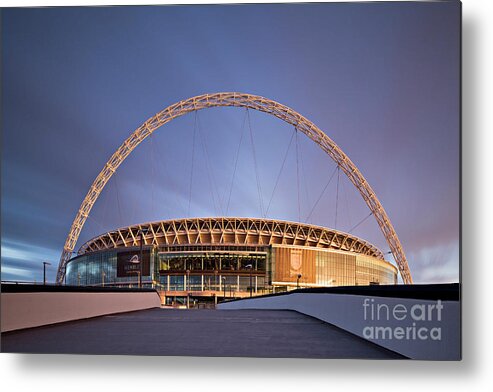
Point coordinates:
pixel 248 101
pixel 205 259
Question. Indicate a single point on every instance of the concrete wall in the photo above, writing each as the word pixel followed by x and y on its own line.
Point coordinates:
pixel 348 312
pixel 33 309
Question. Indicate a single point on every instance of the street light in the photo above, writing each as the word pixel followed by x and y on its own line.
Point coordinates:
pixel 298 281
pixel 45 263
pixel 224 287
pixel 250 267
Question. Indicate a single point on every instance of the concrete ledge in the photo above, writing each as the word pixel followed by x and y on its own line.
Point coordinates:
pixel 360 315
pixel 33 309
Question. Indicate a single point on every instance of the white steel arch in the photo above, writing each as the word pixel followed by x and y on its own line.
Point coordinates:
pixel 251 102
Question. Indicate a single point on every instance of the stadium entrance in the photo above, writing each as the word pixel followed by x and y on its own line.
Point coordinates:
pixel 201 275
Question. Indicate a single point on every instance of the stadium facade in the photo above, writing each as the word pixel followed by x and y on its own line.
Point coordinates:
pixel 206 259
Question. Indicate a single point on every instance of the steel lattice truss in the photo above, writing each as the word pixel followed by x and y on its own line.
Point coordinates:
pixel 230 231
pixel 251 102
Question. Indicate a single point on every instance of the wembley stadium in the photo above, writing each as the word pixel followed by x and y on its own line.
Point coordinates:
pixel 211 259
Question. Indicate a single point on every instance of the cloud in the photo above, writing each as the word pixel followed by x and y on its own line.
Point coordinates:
pixel 12 273
pixel 21 261
pixel 435 264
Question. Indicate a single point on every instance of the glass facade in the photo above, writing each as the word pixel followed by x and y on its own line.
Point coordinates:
pixel 294 267
pixel 339 269
pixel 335 269
pixel 372 271
pixel 225 269
pixel 101 268
pixel 230 271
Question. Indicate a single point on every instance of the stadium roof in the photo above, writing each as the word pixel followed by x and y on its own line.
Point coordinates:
pixel 230 231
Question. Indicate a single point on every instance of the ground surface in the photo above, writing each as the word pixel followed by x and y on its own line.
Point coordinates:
pixel 225 333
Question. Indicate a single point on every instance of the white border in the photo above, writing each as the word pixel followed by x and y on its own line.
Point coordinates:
pixel 118 373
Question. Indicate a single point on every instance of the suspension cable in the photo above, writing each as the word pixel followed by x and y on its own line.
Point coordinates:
pixel 210 174
pixel 101 227
pixel 161 163
pixel 134 204
pixel 259 188
pixel 105 205
pixel 153 179
pixel 191 167
pixel 236 163
pixel 337 194
pixel 360 222
pixel 298 175
pixel 303 175
pixel 280 171
pixel 321 194
pixel 348 211
pixel 118 200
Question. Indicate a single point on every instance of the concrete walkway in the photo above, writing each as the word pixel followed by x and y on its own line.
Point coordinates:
pixel 215 333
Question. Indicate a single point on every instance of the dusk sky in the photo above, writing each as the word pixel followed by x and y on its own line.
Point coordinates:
pixel 380 79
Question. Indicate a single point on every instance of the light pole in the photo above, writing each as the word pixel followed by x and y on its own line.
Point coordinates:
pixel 298 281
pixel 224 287
pixel 250 266
pixel 45 263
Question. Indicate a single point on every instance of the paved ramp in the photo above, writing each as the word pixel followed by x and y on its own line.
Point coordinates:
pixel 224 333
